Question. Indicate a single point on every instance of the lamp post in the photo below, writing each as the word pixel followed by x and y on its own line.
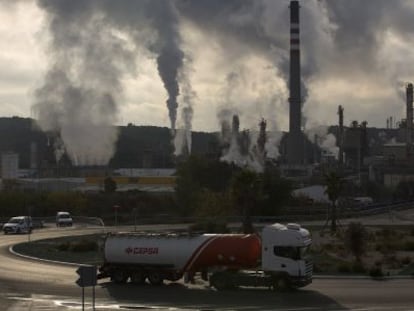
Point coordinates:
pixel 116 207
pixel 135 212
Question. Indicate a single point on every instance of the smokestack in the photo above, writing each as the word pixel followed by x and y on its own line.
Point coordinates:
pixel 341 134
pixel 296 140
pixel 409 117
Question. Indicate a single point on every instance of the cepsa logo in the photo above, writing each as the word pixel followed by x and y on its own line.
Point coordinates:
pixel 141 250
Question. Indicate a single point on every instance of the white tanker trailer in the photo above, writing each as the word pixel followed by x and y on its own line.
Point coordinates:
pixel 278 258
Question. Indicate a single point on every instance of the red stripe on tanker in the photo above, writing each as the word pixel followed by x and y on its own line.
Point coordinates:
pixel 185 252
pixel 235 251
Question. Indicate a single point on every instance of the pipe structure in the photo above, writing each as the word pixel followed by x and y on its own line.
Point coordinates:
pixel 296 140
pixel 409 136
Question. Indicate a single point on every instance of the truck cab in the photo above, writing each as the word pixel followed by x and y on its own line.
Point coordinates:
pixel 285 254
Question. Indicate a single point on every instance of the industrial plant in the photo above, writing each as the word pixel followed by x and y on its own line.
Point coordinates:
pixel 359 153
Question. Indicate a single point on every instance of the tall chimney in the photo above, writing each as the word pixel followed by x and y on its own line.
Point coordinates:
pixel 341 135
pixel 296 140
pixel 409 136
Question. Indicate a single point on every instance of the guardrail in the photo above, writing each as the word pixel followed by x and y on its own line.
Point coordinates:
pixel 307 215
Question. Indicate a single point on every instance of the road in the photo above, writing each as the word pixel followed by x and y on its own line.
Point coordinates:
pixel 26 284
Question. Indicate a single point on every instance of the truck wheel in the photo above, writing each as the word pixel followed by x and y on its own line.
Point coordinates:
pixel 281 284
pixel 155 278
pixel 138 277
pixel 219 282
pixel 119 276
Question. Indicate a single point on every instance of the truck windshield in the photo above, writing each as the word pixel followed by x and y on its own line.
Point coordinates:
pixel 295 253
pixel 304 252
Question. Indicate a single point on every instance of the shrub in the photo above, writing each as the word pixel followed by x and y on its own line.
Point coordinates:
pixel 376 272
pixel 408 246
pixel 83 246
pixel 358 267
pixel 317 268
pixel 77 246
pixel 344 268
pixel 406 260
pixel 63 247
pixel 412 232
pixel 329 247
pixel 356 239
pixel 209 227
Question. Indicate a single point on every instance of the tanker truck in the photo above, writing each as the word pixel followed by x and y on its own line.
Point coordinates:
pixel 276 258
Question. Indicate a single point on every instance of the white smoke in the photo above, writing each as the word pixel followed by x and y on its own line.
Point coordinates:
pixel 242 149
pixel 326 141
pixel 272 144
pixel 183 136
pixel 59 149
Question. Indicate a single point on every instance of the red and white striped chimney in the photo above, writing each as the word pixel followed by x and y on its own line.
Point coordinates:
pixel 295 154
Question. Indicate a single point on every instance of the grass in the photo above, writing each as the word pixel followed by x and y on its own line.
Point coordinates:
pixel 387 250
pixel 81 250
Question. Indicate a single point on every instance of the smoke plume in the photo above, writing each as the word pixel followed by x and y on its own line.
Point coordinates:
pixel 325 140
pixel 183 139
pixel 91 52
pixel 80 91
pixel 94 44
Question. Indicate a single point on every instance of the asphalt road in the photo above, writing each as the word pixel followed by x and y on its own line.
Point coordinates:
pixel 26 284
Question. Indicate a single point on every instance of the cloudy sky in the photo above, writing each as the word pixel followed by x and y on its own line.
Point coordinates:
pixel 190 63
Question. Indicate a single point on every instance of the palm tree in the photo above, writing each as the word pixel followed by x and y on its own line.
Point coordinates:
pixel 333 189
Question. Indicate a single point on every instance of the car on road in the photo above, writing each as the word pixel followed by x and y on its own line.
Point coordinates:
pixel 63 219
pixel 18 224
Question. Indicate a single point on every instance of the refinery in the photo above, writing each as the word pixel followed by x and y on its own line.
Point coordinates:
pixel 62 157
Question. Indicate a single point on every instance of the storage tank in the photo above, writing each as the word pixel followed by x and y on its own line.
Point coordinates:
pixel 184 252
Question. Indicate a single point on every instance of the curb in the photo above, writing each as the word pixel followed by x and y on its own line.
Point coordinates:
pixel 12 251
pixel 361 277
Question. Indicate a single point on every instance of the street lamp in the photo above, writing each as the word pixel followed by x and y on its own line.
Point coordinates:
pixel 116 207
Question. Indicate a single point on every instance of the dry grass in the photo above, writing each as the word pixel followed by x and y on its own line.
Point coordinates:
pixel 389 250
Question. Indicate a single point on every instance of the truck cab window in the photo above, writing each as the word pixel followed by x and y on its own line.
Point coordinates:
pixel 287 252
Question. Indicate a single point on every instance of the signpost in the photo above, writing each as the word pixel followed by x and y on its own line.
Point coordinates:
pixel 87 278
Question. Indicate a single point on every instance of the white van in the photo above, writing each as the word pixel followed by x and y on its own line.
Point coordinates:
pixel 63 219
pixel 19 224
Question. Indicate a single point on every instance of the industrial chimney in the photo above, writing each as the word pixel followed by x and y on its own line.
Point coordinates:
pixel 341 135
pixel 409 136
pixel 295 152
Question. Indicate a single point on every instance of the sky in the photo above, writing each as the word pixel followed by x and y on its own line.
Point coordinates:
pixel 79 65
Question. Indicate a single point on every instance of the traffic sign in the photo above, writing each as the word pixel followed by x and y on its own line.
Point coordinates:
pixel 87 276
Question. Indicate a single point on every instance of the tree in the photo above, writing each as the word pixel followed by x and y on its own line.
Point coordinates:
pixel 197 174
pixel 109 185
pixel 275 192
pixel 245 192
pixel 356 239
pixel 333 188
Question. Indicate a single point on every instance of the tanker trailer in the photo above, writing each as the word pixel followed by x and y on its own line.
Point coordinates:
pixel 277 258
